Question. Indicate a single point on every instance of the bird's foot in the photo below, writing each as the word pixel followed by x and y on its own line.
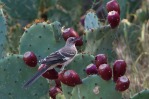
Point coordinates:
pixel 62 69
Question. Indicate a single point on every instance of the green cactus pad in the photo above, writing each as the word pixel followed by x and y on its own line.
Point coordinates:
pixel 141 95
pixel 91 21
pixel 60 96
pixel 56 30
pixel 61 16
pixel 94 87
pixel 47 3
pixel 3 31
pixel 14 73
pixel 26 9
pixel 106 45
pixel 94 37
pixel 70 3
pixel 79 64
pixel 67 90
pixel 100 41
pixel 39 38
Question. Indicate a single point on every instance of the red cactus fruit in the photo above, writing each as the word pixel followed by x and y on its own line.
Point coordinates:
pixel 70 32
pixel 91 69
pixel 69 77
pixel 105 71
pixel 79 42
pixel 49 74
pixel 113 6
pixel 122 83
pixel 58 83
pixel 30 59
pixel 119 69
pixel 100 59
pixel 113 19
pixel 54 91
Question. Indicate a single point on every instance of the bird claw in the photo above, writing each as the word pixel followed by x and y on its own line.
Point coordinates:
pixel 62 69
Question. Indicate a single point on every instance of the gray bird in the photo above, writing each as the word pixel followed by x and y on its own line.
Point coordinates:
pixel 61 57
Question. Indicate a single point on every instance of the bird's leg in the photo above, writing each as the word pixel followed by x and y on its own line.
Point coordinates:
pixel 62 68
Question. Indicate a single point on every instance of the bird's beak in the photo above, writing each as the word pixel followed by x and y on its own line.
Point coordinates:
pixel 78 38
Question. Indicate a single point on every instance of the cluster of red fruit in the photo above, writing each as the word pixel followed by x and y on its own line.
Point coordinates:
pixel 68 77
pixel 31 60
pixel 105 71
pixel 101 68
pixel 113 13
pixel 71 78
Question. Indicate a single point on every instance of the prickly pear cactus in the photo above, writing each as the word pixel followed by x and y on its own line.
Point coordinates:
pixel 78 64
pixel 144 94
pixel 67 91
pixel 91 21
pixel 97 88
pixel 3 31
pixel 61 16
pixel 98 37
pixel 25 10
pixel 60 96
pixel 14 73
pixel 42 39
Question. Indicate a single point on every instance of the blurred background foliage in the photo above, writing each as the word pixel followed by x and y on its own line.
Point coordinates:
pixel 131 38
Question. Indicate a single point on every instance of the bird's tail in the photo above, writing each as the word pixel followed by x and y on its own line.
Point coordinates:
pixel 35 77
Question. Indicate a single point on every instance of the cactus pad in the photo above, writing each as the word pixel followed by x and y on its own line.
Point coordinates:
pixel 66 90
pixel 22 9
pixel 95 87
pixel 3 31
pixel 91 21
pixel 141 95
pixel 79 64
pixel 14 74
pixel 61 16
pixel 60 96
pixel 39 39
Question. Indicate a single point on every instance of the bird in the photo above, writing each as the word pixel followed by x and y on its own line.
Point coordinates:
pixel 62 57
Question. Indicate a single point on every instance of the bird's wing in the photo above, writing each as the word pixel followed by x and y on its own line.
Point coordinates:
pixel 59 56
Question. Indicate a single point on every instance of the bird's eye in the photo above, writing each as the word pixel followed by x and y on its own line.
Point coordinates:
pixel 72 39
